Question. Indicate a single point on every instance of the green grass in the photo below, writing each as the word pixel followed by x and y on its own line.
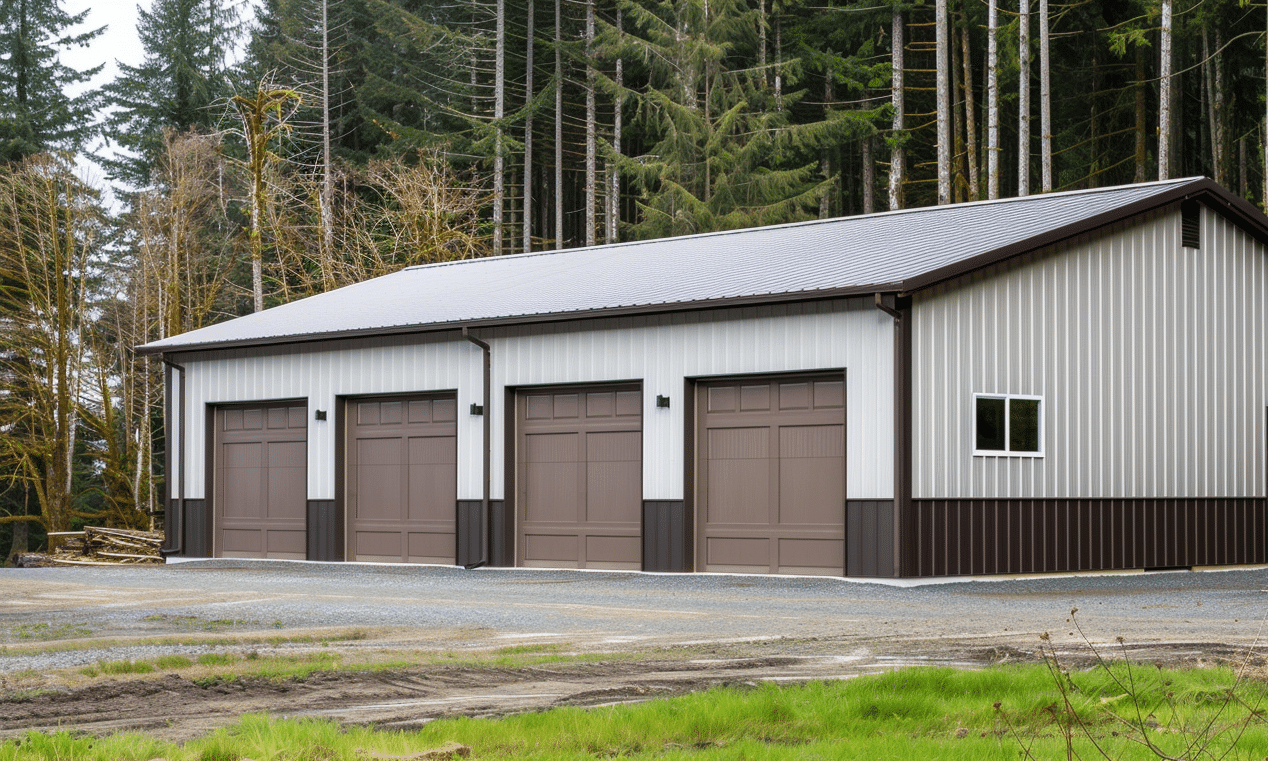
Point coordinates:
pixel 116 668
pixel 921 714
pixel 44 632
pixel 216 659
pixel 172 662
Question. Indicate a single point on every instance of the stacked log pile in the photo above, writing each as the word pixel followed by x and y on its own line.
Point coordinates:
pixel 97 545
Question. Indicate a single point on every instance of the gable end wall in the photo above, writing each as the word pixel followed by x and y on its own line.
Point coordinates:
pixel 1151 360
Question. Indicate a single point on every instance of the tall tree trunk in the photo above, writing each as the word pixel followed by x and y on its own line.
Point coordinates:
pixel 499 111
pixel 897 154
pixel 614 191
pixel 327 173
pixel 592 152
pixel 869 177
pixel 992 100
pixel 1164 94
pixel 526 236
pixel 1023 99
pixel 559 129
pixel 1241 166
pixel 1141 123
pixel 944 105
pixel 761 39
pixel 1045 100
pixel 970 117
pixel 959 175
pixel 825 165
pixel 1214 83
pixel 779 63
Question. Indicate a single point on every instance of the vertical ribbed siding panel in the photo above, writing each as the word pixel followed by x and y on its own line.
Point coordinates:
pixel 319 377
pixel 661 351
pixel 1065 535
pixel 1150 359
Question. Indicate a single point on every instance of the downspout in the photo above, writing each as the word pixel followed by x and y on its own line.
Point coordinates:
pixel 894 307
pixel 488 448
pixel 179 499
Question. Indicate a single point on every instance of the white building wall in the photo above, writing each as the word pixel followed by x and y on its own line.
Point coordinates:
pixel 659 351
pixel 1152 361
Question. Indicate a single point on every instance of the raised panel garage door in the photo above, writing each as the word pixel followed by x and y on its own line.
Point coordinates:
pixel 579 473
pixel 771 475
pixel 402 479
pixel 260 455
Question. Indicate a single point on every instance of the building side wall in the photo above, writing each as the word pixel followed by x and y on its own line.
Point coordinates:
pixel 659 352
pixel 1150 358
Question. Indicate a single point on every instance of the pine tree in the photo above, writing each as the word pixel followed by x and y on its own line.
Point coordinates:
pixel 177 85
pixel 36 111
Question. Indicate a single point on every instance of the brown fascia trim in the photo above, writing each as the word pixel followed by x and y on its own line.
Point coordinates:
pixel 825 294
pixel 1238 210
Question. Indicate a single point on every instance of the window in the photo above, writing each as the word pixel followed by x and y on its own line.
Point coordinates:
pixel 1007 425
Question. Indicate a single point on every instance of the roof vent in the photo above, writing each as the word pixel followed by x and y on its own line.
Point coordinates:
pixel 1190 224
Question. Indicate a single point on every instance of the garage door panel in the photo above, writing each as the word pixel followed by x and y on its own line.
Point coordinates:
pixel 739 492
pixel 771 475
pixel 288 480
pixel 612 492
pixel 242 541
pixel 829 394
pixel 614 552
pixel 553 492
pixel 402 479
pixel 260 491
pixel 810 555
pixel 738 551
pixel 431 547
pixel 286 544
pixel 552 548
pixel 580 477
pixel 380 544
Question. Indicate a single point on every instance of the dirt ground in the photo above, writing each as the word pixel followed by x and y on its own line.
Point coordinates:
pixel 402 677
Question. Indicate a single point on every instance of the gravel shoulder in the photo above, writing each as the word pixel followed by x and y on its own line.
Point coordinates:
pixel 415 643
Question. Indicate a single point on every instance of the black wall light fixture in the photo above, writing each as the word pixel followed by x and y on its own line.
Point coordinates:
pixel 662 401
pixel 319 414
pixel 477 409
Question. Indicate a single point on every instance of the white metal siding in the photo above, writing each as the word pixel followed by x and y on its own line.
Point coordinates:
pixel 1150 359
pixel 320 377
pixel 657 351
pixel 662 351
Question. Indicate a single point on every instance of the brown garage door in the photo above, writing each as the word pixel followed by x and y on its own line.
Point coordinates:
pixel 402 479
pixel 771 475
pixel 579 473
pixel 260 455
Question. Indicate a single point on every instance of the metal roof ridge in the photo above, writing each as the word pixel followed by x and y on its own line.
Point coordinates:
pixel 803 223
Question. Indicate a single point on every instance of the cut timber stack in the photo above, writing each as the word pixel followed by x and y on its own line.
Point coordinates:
pixel 104 546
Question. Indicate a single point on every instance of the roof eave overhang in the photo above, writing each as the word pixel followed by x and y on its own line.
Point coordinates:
pixel 1240 211
pixel 532 319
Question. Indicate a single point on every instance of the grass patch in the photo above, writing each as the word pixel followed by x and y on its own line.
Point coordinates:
pixel 544 647
pixel 172 662
pixel 125 667
pixel 909 714
pixel 216 659
pixel 284 667
pixel 45 632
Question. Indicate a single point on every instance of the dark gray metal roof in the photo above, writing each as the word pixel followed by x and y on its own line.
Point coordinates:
pixel 890 252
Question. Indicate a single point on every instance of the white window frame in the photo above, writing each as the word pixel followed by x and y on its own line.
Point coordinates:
pixel 1007 426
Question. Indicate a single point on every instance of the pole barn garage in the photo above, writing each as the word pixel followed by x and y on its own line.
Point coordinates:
pixel 1058 383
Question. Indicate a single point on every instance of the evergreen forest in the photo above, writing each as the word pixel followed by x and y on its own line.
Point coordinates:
pixel 263 152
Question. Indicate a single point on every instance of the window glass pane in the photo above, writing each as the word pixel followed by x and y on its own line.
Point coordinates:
pixel 1023 425
pixel 990 424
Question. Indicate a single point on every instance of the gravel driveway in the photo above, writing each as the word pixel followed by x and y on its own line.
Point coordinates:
pixel 637 635
pixel 598 608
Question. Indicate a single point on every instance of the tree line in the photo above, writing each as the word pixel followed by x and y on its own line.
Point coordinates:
pixel 265 156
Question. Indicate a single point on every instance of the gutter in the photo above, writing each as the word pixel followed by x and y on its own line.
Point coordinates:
pixel 488 452
pixel 179 500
